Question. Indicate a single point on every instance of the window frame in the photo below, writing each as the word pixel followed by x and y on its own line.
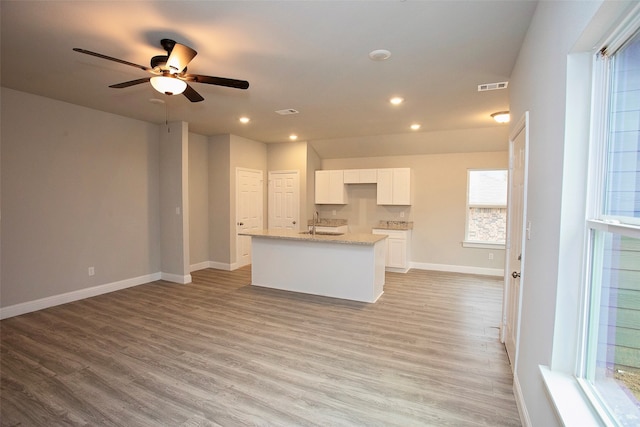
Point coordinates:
pixel 595 219
pixel 468 243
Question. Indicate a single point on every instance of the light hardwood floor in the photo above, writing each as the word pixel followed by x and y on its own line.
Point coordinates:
pixel 222 352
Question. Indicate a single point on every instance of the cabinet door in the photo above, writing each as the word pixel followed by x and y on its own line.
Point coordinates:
pixel 322 187
pixel 396 253
pixel 352 176
pixel 385 187
pixel 401 186
pixel 337 192
pixel 368 176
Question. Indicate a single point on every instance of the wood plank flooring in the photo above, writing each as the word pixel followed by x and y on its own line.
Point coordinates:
pixel 219 352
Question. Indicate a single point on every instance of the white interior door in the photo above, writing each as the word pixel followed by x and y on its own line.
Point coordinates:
pixel 284 200
pixel 249 197
pixel 514 262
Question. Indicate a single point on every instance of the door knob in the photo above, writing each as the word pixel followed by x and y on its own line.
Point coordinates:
pixel 515 274
pixel 241 223
pixel 294 223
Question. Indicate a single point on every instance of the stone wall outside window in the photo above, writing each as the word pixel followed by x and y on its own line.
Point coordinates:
pixel 487 225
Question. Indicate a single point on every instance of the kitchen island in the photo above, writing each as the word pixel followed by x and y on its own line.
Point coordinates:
pixel 347 266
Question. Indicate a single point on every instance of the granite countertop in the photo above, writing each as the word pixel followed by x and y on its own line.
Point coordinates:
pixel 394 225
pixel 347 238
pixel 328 222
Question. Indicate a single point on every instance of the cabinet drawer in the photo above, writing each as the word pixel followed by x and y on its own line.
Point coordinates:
pixel 393 234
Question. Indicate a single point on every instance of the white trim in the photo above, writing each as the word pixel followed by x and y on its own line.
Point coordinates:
pixel 221 266
pixel 458 269
pixel 199 266
pixel 520 402
pixel 571 405
pixel 483 245
pixel 176 278
pixel 52 301
pixel 211 264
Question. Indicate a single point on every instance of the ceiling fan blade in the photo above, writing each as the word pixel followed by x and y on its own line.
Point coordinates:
pixel 180 57
pixel 130 83
pixel 192 95
pixel 219 81
pixel 121 61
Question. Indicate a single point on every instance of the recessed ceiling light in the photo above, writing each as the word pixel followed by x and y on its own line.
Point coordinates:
pixel 415 126
pixel 244 120
pixel 293 137
pixel 379 55
pixel 396 100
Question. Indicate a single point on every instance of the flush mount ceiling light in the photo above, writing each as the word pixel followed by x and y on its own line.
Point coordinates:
pixel 501 116
pixel 415 126
pixel 293 137
pixel 168 85
pixel 379 55
pixel 396 100
pixel 244 120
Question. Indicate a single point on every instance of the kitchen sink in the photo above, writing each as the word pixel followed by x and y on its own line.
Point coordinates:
pixel 323 233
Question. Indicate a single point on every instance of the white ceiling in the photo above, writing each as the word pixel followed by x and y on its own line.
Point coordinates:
pixel 311 56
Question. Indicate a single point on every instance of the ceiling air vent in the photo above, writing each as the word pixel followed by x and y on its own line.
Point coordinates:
pixel 492 86
pixel 287 111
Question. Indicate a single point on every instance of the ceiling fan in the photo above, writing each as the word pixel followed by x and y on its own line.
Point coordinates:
pixel 170 72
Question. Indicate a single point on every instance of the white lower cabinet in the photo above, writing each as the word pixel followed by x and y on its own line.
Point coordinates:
pixel 398 249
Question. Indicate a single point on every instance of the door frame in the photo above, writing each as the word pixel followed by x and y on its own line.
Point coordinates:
pixel 521 126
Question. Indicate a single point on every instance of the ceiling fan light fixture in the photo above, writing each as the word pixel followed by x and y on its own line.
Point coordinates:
pixel 168 85
pixel 501 116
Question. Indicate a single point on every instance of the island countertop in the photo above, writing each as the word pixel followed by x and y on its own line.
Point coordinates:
pixel 347 238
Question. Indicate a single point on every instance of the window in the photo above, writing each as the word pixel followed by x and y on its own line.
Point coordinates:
pixel 486 208
pixel 609 366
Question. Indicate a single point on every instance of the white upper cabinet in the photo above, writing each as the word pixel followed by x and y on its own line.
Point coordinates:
pixel 330 189
pixel 394 186
pixel 360 176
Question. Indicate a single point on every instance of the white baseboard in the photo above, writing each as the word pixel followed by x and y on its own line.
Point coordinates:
pixel 199 266
pixel 220 266
pixel 459 269
pixel 210 264
pixel 176 278
pixel 522 408
pixel 52 301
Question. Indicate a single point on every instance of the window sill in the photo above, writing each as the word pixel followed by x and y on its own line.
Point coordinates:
pixel 482 245
pixel 571 405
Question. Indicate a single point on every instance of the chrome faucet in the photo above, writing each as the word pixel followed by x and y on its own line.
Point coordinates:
pixel 316 219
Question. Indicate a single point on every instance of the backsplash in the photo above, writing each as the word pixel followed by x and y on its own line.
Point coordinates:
pixel 362 213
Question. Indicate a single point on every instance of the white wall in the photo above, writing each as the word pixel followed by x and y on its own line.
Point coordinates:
pixel 198 199
pixel 80 188
pixel 538 85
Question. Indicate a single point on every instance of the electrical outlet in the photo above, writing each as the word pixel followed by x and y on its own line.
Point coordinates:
pixel 92 271
pixel 401 214
pixel 333 212
pixel 490 255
